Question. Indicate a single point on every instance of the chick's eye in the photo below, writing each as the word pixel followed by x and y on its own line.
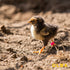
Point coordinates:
pixel 32 21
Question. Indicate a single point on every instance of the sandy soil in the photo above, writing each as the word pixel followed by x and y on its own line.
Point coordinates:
pixel 17 45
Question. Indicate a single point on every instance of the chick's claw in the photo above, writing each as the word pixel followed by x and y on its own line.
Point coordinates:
pixel 35 51
pixel 40 51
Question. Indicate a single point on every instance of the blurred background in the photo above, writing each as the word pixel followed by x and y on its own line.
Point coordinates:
pixel 20 10
pixel 16 42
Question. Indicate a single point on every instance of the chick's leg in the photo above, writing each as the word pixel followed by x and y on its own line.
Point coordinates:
pixel 45 42
pixel 53 44
pixel 41 50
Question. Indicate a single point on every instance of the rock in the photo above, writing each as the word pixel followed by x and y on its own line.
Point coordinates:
pixel 11 50
pixel 24 58
pixel 5 30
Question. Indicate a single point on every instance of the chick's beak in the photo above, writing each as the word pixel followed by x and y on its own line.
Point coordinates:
pixel 29 22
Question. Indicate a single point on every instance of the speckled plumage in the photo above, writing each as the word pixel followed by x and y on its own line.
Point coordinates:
pixel 41 31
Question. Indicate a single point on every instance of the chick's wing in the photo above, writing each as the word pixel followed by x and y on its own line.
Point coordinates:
pixel 44 31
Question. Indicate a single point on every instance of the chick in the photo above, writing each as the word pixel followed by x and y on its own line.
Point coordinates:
pixel 41 31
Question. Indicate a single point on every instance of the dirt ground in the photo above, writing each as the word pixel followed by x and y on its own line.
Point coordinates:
pixel 17 45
